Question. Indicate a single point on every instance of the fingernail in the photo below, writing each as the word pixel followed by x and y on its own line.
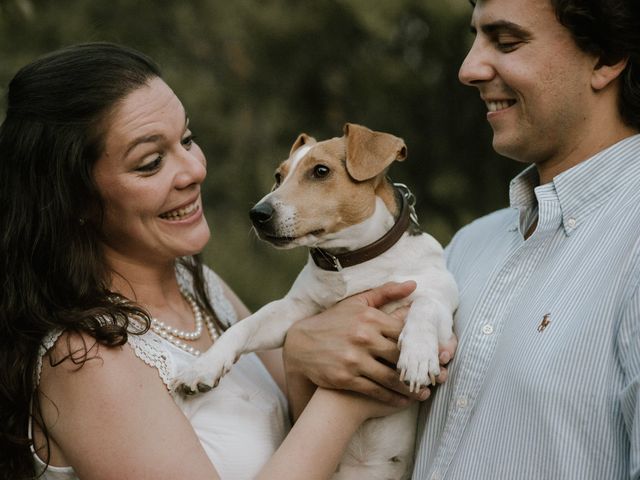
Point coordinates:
pixel 424 394
pixel 444 357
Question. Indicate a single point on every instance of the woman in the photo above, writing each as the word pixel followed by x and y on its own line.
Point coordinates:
pixel 104 295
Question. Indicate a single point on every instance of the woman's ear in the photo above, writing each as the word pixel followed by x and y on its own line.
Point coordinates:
pixel 605 73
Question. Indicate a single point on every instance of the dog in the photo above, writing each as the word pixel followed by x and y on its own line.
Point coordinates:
pixel 334 197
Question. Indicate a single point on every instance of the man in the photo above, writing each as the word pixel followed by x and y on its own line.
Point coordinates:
pixel 546 379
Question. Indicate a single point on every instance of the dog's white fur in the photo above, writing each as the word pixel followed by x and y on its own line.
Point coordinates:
pixel 382 448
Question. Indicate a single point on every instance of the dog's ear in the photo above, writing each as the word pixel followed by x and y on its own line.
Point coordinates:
pixel 369 153
pixel 303 139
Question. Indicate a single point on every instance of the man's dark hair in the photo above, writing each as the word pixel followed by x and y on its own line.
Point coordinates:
pixel 609 29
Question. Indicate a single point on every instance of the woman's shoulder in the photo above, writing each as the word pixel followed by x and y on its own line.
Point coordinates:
pixel 95 398
pixel 79 378
pixel 78 355
pixel 71 362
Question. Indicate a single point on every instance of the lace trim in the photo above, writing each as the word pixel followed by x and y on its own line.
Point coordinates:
pixel 147 348
pixel 47 344
pixel 221 304
pixel 150 348
pixel 153 352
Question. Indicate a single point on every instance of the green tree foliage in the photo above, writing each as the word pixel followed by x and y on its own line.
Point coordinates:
pixel 254 74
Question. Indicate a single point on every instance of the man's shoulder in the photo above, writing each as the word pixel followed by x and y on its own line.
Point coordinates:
pixel 492 223
pixel 489 230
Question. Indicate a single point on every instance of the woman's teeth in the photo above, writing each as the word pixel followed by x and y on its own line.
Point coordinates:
pixel 180 213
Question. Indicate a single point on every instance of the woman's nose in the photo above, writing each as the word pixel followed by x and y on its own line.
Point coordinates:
pixel 193 169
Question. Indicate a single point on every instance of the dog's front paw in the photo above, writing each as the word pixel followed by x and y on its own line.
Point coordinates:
pixel 205 372
pixel 418 363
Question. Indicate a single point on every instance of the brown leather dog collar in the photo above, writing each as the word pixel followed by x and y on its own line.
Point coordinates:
pixel 336 262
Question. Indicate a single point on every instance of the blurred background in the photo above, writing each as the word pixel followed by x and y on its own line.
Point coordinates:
pixel 254 74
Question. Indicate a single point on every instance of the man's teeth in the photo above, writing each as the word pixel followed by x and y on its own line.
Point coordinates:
pixel 500 105
pixel 180 213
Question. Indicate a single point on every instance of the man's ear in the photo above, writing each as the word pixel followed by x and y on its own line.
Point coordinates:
pixel 605 73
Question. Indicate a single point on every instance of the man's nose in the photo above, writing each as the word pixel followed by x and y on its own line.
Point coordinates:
pixel 477 67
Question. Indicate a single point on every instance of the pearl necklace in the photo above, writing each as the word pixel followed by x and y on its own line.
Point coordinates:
pixel 177 336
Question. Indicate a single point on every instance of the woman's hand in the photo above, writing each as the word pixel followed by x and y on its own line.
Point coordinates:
pixel 353 346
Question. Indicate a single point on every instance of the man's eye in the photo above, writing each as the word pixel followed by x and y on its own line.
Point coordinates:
pixel 508 45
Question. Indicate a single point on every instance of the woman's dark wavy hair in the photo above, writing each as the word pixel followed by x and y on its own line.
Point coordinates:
pixel 609 29
pixel 52 273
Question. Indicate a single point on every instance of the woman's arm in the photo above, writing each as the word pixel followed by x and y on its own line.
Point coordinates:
pixel 317 441
pixel 114 418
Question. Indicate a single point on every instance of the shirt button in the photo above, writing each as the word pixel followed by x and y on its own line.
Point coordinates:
pixel 487 329
pixel 462 402
pixel 571 223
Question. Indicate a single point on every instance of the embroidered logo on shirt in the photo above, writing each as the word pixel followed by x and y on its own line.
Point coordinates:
pixel 545 322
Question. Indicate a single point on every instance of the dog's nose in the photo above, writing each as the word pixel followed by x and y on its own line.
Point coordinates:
pixel 261 213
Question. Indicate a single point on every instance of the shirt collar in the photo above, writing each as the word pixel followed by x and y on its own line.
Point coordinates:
pixel 583 188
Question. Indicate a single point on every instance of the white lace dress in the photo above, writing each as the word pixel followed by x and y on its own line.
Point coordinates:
pixel 240 423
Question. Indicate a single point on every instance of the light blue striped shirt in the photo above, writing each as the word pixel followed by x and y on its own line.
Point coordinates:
pixel 546 380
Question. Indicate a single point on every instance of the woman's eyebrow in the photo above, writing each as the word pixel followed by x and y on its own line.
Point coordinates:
pixel 140 140
pixel 151 138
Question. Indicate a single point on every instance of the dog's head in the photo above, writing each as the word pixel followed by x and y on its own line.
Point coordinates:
pixel 325 187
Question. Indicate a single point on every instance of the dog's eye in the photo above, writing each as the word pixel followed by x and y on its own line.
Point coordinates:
pixel 321 171
pixel 278 178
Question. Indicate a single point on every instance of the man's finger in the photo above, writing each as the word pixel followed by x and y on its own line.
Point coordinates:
pixel 386 293
pixel 443 375
pixel 386 349
pixel 385 375
pixel 447 350
pixel 399 314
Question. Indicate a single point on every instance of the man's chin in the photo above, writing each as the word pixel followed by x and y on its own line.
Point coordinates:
pixel 508 148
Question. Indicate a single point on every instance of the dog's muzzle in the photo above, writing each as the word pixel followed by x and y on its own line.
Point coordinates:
pixel 264 219
pixel 262 215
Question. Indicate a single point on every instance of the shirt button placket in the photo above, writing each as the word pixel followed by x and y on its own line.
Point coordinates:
pixel 487 329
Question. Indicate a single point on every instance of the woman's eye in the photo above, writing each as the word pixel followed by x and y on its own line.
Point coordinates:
pixel 321 171
pixel 151 166
pixel 187 141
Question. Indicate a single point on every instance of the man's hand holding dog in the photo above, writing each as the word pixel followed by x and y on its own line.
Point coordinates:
pixel 353 346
